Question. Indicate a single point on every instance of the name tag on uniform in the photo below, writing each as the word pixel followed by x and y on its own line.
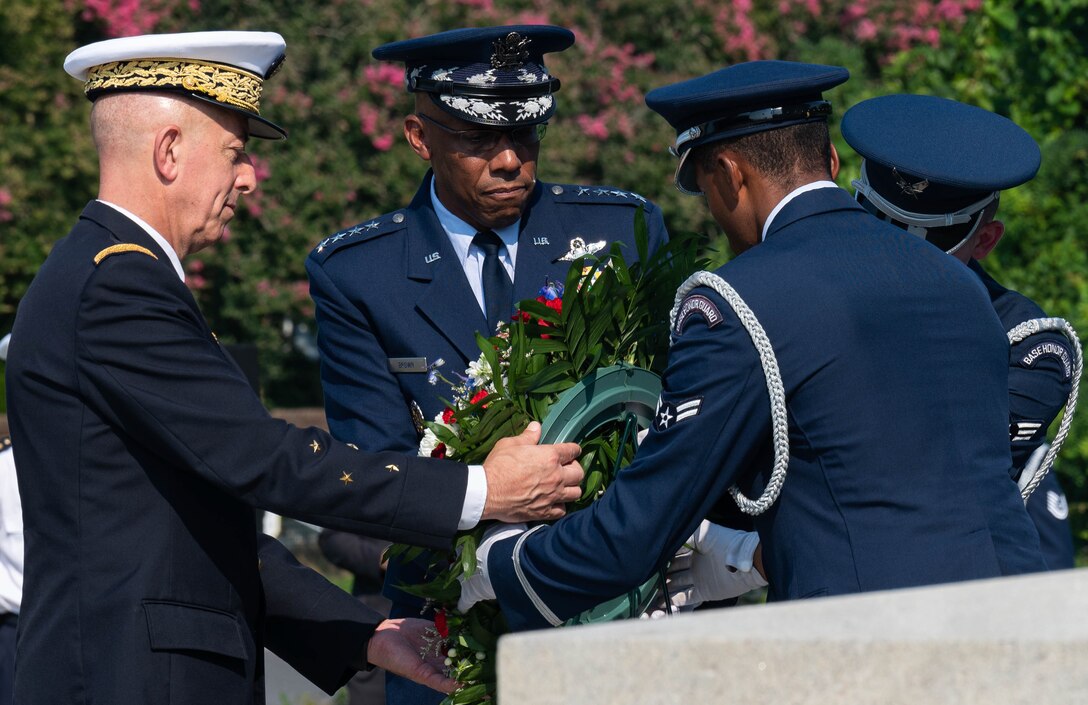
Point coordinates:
pixel 401 365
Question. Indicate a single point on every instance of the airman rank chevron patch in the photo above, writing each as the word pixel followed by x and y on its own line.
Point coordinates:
pixel 669 413
pixel 1023 430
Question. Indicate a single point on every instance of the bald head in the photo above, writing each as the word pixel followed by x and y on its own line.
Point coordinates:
pixel 124 125
pixel 176 162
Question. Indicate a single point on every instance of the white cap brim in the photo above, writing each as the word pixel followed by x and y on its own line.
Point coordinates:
pixel 255 52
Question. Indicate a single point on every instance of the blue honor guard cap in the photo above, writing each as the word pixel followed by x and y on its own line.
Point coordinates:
pixel 491 76
pixel 931 165
pixel 741 100
pixel 226 69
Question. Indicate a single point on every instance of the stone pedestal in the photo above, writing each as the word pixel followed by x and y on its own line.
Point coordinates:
pixel 1012 640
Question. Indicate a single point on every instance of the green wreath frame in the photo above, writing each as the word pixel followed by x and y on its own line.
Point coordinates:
pixel 617 393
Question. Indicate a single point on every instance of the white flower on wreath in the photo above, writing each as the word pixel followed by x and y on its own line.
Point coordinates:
pixel 428 443
pixel 479 373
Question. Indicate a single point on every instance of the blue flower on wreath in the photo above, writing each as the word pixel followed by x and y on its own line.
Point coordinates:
pixel 551 290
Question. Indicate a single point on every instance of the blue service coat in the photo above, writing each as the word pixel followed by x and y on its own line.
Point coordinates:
pixel 142 453
pixel 894 366
pixel 392 288
pixel 1040 377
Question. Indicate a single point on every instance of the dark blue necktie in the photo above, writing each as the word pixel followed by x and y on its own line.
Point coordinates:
pixel 498 290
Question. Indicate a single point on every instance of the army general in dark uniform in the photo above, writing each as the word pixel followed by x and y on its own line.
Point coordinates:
pixel 143 450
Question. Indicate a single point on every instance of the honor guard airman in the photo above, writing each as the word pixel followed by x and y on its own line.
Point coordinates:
pixel 936 168
pixel 839 379
pixel 402 295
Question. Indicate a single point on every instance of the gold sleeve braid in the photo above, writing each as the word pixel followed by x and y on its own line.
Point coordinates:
pixel 117 249
pixel 224 84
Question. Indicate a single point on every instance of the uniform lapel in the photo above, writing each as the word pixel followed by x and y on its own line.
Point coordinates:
pixel 542 241
pixel 447 303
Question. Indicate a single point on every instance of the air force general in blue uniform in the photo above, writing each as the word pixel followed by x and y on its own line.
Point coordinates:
pixel 403 295
pixel 893 368
pixel 399 295
pixel 936 168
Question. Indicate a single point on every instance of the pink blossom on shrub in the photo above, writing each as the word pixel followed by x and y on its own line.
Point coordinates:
pixel 378 77
pixel 124 18
pixel 951 10
pixel 368 119
pixel 383 142
pixel 5 214
pixel 593 126
pixel 865 30
pixel 196 282
pixel 300 290
pixel 265 288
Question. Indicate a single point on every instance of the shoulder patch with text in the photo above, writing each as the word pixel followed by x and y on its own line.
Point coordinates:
pixel 697 304
pixel 1049 348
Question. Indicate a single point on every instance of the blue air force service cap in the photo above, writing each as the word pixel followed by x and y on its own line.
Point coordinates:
pixel 741 100
pixel 487 75
pixel 227 69
pixel 930 165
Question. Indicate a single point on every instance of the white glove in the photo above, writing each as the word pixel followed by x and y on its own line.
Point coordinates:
pixel 477 586
pixel 721 567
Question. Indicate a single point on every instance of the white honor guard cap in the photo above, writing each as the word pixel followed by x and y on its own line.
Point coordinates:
pixel 227 69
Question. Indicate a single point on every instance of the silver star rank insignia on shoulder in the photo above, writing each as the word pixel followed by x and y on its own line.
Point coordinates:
pixel 580 248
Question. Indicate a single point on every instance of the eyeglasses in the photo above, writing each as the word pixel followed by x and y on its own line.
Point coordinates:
pixel 481 141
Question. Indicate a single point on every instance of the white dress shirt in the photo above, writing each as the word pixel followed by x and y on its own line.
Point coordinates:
pixel 11 535
pixel 792 195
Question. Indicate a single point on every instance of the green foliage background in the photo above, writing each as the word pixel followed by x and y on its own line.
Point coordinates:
pixel 345 160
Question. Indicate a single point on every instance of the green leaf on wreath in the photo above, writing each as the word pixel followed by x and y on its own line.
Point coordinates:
pixel 467 544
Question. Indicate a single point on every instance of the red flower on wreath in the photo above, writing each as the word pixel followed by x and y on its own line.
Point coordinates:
pixel 441 625
pixel 551 295
pixel 478 396
pixel 439 451
pixel 447 416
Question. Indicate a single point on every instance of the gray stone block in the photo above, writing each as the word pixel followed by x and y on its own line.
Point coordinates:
pixel 1011 640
